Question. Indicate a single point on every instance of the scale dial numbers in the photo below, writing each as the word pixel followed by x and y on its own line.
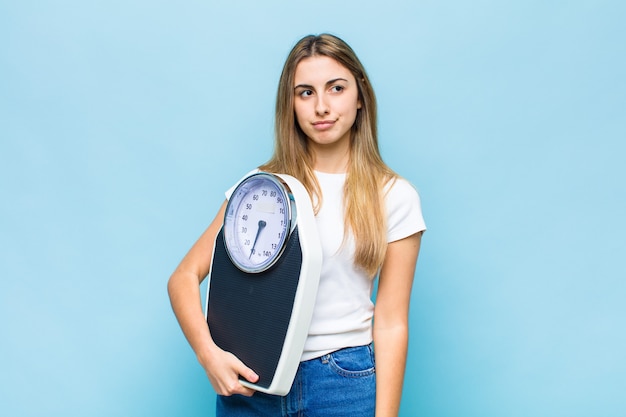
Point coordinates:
pixel 257 222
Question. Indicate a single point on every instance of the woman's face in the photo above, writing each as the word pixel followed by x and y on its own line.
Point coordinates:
pixel 326 101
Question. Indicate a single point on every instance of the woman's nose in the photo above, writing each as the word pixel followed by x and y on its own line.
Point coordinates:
pixel 321 107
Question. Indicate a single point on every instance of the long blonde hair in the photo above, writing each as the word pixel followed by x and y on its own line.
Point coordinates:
pixel 364 208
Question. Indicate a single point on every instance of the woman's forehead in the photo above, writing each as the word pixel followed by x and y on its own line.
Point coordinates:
pixel 320 69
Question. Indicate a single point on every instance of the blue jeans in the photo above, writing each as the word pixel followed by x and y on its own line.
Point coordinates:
pixel 340 384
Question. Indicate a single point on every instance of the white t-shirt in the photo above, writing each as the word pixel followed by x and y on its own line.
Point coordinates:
pixel 343 311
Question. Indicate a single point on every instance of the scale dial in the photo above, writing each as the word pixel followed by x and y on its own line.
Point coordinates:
pixel 258 222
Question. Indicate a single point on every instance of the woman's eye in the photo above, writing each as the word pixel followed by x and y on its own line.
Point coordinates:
pixel 306 93
pixel 337 89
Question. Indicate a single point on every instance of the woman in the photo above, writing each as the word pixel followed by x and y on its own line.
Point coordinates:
pixel 370 223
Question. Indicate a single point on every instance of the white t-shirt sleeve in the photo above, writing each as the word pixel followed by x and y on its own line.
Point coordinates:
pixel 404 211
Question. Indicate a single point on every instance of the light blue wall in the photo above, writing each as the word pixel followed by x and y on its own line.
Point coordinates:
pixel 122 122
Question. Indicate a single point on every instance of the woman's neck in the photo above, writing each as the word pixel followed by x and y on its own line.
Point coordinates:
pixel 331 160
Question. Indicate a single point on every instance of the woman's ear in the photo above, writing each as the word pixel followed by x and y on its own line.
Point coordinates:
pixel 359 104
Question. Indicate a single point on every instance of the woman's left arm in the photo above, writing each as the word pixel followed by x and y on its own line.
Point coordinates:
pixel 391 316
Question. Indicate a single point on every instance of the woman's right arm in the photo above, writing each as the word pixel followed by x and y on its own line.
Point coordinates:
pixel 222 368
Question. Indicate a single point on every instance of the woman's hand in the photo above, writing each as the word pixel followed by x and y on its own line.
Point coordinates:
pixel 224 371
pixel 222 368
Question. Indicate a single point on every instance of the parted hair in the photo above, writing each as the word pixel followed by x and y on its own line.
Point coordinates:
pixel 364 208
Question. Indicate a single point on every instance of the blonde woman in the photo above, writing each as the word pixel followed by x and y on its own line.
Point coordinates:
pixel 370 224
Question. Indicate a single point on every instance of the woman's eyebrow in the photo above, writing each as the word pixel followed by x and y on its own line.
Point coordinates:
pixel 334 80
pixel 329 82
pixel 306 86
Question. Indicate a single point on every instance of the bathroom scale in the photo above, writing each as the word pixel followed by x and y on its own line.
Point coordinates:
pixel 263 279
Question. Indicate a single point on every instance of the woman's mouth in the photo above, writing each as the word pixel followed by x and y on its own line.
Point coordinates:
pixel 323 125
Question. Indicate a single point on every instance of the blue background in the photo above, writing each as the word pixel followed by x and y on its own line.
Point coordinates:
pixel 122 123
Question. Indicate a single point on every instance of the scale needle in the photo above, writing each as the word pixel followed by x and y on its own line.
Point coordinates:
pixel 262 224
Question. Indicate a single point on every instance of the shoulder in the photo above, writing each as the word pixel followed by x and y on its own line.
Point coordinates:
pixel 400 191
